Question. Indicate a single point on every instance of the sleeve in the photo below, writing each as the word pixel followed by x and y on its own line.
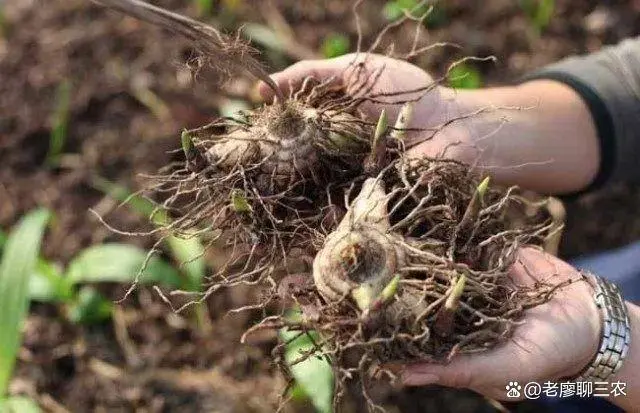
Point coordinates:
pixel 609 83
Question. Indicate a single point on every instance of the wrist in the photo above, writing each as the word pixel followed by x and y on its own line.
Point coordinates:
pixel 590 323
pixel 538 135
pixel 614 333
pixel 589 341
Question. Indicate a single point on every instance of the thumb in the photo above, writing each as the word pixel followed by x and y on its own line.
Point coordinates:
pixel 457 373
pixel 471 371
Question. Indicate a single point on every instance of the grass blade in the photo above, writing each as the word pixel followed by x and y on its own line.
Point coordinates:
pixel 120 263
pixel 60 123
pixel 18 263
pixel 314 375
pixel 3 241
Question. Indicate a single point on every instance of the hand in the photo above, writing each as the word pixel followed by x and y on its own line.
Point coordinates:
pixel 538 135
pixel 558 339
pixel 431 110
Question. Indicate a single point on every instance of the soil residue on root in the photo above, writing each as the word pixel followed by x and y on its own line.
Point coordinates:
pixel 418 269
pixel 411 257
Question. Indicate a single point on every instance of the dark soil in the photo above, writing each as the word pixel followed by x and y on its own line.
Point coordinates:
pixel 116 131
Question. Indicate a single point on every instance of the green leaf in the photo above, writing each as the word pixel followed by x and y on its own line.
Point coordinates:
pixel 60 121
pixel 90 307
pixel 3 241
pixel 314 375
pixel 19 404
pixel 334 45
pixel 392 11
pixel 297 393
pixel 464 76
pixel 239 201
pixel 544 14
pixel 18 263
pixel 205 7
pixel 187 144
pixel 187 251
pixel 539 12
pixel 119 263
pixel 482 187
pixel 121 193
pixel 381 126
pixel 47 284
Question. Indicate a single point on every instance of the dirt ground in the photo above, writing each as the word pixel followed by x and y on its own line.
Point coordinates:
pixel 130 96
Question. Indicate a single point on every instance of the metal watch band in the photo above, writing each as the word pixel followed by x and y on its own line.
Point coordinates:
pixel 616 332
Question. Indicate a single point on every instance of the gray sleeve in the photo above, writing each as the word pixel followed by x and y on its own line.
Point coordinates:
pixel 609 82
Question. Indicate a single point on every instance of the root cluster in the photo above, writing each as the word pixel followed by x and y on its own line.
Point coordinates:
pixel 400 259
pixel 417 270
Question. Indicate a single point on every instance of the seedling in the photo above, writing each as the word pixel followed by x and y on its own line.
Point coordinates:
pixel 18 263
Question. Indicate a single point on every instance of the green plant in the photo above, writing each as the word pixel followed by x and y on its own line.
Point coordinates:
pixel 463 76
pixel 189 252
pixel 19 404
pixel 434 14
pixel 313 375
pixel 204 7
pixel 334 45
pixel 60 121
pixel 110 262
pixel 18 263
pixel 395 9
pixel 539 12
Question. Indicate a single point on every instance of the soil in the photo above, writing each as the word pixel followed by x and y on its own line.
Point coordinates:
pixel 131 94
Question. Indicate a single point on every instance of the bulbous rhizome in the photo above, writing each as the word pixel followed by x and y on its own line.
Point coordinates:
pixel 271 180
pixel 388 245
pixel 417 223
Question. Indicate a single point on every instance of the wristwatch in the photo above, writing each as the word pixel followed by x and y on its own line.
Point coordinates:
pixel 616 332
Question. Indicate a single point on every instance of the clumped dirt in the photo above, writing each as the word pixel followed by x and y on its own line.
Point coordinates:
pixel 130 97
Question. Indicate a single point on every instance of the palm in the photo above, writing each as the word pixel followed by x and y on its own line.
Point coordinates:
pixel 556 339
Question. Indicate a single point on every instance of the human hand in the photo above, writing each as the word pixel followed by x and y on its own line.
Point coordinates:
pixel 538 135
pixel 558 339
pixel 396 81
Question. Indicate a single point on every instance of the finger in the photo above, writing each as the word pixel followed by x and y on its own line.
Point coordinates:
pixel 534 265
pixel 294 75
pixel 465 371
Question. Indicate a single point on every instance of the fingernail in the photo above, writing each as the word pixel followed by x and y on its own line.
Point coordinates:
pixel 419 379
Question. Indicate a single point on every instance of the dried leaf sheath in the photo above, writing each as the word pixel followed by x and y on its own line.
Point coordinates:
pixel 224 52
